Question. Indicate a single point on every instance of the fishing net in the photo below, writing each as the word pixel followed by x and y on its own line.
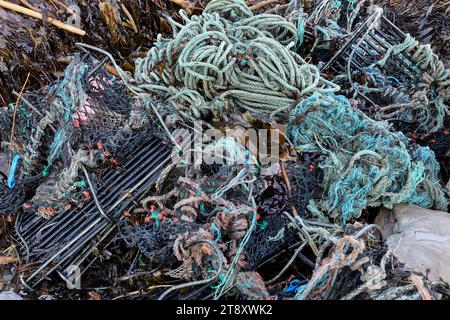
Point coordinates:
pixel 398 79
pixel 425 20
pixel 439 142
pixel 306 179
pixel 156 242
pixel 208 204
pixel 73 125
pixel 367 165
pixel 357 266
pixel 418 107
pixel 274 232
pixel 272 235
pixel 11 201
pixel 227 224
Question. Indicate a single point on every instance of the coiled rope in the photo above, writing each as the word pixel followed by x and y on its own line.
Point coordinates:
pixel 228 59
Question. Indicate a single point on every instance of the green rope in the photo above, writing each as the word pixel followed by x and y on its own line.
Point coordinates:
pixel 227 59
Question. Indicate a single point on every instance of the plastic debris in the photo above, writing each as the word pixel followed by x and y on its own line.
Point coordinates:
pixel 418 238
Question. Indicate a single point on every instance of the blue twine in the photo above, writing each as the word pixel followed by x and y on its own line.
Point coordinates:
pixel 12 171
pixel 300 32
pixel 215 229
pixel 55 151
pixel 335 4
pixel 351 5
pixel 222 280
pixel 294 285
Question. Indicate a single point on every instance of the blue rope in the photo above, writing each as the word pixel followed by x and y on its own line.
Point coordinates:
pixel 12 171
pixel 300 32
pixel 294 285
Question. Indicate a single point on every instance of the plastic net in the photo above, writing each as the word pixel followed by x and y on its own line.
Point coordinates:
pixel 76 124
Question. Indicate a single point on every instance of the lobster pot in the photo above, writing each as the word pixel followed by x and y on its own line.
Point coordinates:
pixel 65 243
pixel 363 50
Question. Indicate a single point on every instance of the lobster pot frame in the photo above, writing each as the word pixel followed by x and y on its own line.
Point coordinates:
pixel 364 48
pixel 67 241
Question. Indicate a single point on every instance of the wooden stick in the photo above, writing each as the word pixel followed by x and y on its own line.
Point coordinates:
pixel 7 260
pixel 37 15
pixel 29 6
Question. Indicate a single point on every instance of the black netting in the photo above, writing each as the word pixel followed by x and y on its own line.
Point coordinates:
pixel 11 200
pixel 273 234
pixel 106 109
pixel 87 119
pixel 155 242
pixel 305 178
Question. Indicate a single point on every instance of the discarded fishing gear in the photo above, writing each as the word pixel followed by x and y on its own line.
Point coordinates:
pixel 68 240
pixel 306 178
pixel 439 142
pixel 72 154
pixel 326 25
pixel 275 232
pixel 71 126
pixel 356 266
pixel 399 80
pixel 227 59
pixel 198 231
pixel 11 201
pixel 367 165
pixel 426 20
pixel 87 159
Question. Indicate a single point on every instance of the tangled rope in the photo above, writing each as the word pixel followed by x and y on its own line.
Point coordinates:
pixel 228 59
pixel 55 193
pixel 326 273
pixel 67 97
pixel 88 111
pixel 366 165
pixel 352 256
pixel 216 208
pixel 427 106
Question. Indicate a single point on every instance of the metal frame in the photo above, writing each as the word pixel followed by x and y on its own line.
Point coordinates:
pixel 67 238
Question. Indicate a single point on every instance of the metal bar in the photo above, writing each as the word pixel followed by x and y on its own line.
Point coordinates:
pixel 360 31
pixel 376 38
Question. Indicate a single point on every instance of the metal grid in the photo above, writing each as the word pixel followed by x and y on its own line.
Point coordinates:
pixel 364 48
pixel 69 239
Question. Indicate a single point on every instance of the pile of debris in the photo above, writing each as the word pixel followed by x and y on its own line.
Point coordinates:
pixel 45 48
pixel 254 150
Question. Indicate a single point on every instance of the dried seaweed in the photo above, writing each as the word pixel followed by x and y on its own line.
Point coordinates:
pixel 29 45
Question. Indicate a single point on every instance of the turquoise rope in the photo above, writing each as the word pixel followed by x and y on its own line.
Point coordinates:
pixel 12 172
pixel 367 165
